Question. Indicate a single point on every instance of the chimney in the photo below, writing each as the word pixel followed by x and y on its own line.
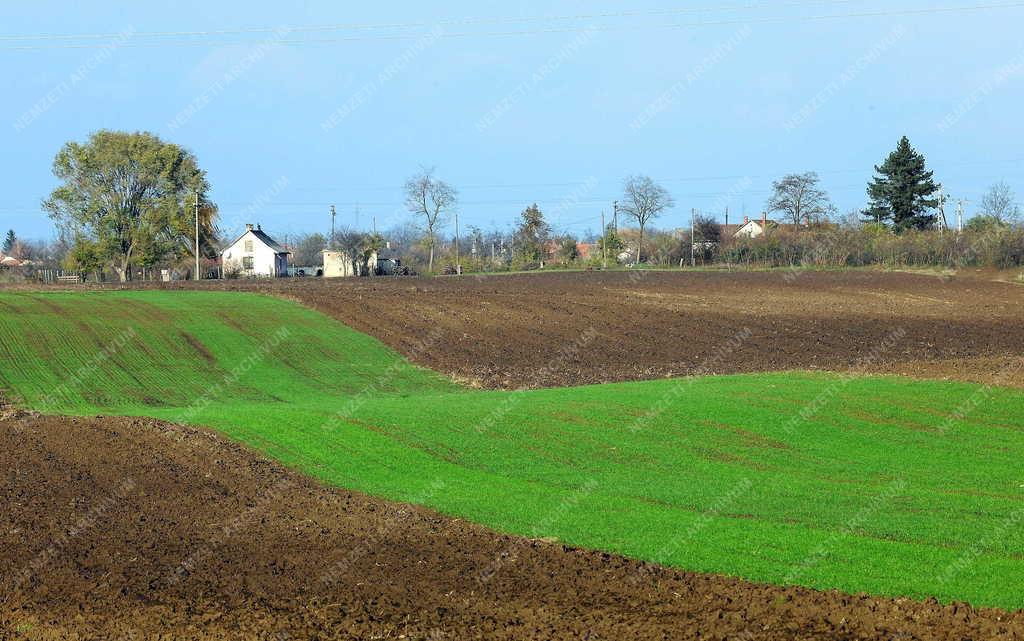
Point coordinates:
pixel 746 219
pixel 248 227
pixel 764 220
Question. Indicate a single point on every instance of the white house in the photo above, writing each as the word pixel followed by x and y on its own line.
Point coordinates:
pixel 754 228
pixel 255 255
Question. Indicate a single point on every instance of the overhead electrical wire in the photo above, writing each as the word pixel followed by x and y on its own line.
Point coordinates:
pixel 411 25
pixel 588 200
pixel 489 34
pixel 578 183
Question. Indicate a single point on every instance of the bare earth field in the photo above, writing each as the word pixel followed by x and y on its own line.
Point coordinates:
pixel 134 529
pixel 513 331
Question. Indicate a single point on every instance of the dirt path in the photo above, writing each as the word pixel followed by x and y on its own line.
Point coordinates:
pixel 132 529
pixel 559 329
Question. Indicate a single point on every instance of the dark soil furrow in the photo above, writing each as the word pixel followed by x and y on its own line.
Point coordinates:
pixel 171 532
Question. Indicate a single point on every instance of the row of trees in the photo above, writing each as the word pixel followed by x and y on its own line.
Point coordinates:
pixel 903 196
pixel 130 200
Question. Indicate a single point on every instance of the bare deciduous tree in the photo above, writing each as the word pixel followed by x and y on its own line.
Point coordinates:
pixel 1000 204
pixel 431 199
pixel 800 199
pixel 644 200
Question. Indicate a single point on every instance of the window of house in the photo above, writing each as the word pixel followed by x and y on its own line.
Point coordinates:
pixel 247 262
pixel 248 245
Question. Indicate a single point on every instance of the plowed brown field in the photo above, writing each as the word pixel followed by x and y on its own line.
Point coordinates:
pixel 507 331
pixel 134 529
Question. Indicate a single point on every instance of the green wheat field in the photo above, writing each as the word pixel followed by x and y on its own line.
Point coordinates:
pixel 862 484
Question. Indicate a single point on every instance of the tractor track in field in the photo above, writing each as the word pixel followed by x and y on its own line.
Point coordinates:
pixel 118 528
pixel 519 331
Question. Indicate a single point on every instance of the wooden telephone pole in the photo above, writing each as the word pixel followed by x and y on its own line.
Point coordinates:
pixel 604 243
pixel 197 235
pixel 458 264
pixel 693 238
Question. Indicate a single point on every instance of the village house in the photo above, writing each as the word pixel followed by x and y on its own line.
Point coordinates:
pixel 11 261
pixel 255 255
pixel 553 250
pixel 754 228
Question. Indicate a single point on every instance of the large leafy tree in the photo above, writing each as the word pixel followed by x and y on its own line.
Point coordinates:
pixel 903 191
pixel 800 199
pixel 644 200
pixel 128 200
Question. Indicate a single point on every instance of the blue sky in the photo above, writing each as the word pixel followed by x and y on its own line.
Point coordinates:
pixel 736 94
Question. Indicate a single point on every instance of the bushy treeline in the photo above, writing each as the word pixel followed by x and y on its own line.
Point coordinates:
pixel 1000 247
pixel 822 246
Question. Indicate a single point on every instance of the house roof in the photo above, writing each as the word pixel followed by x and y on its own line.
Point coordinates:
pixel 769 222
pixel 263 238
pixel 269 242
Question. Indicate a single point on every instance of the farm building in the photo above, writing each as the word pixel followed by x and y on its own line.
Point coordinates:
pixel 255 255
pixel 339 264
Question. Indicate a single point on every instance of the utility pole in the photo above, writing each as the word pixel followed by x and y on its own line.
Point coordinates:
pixel 374 225
pixel 458 266
pixel 960 215
pixel 727 216
pixel 615 216
pixel 942 212
pixel 197 235
pixel 604 243
pixel 334 214
pixel 693 238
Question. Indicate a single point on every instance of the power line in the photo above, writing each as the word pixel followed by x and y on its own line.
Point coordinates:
pixel 528 32
pixel 553 201
pixel 590 200
pixel 16 209
pixel 827 172
pixel 410 25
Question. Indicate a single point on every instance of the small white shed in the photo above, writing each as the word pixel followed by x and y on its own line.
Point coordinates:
pixel 339 264
pixel 255 255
